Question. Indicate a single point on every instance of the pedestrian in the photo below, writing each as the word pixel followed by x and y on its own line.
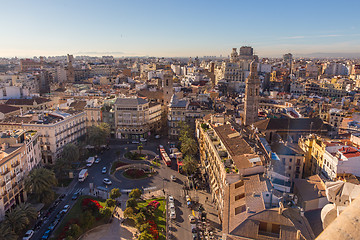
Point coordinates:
pixel 206 199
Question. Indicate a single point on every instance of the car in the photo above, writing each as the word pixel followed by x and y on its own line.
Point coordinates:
pixel 171 199
pixel 172 214
pixel 89 164
pixel 97 160
pixel 143 140
pixel 107 181
pixel 46 234
pixel 192 219
pixel 188 199
pixel 157 136
pixel 62 196
pixel 173 178
pixel 104 170
pixel 75 196
pixel 135 142
pixel 53 224
pixel 171 206
pixel 28 235
pixel 66 208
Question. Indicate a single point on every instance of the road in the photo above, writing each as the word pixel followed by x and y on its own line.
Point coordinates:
pixel 180 227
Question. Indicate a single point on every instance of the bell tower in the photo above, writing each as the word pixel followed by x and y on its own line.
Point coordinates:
pixel 252 90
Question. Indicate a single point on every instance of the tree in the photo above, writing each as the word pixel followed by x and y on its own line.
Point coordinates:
pixel 131 203
pixel 28 210
pixel 140 148
pixel 129 212
pixel 74 230
pixel 16 220
pixel 146 236
pixel 106 212
pixel 87 220
pixel 7 233
pixel 144 227
pixel 97 135
pixel 39 182
pixel 115 193
pixel 139 219
pixel 188 146
pixel 189 165
pixel 135 193
pixel 70 153
pixel 185 131
pixel 110 202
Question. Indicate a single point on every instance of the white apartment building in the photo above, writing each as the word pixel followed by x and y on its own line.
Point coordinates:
pixel 55 129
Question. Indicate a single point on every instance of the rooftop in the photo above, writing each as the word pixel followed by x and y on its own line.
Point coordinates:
pixel 130 101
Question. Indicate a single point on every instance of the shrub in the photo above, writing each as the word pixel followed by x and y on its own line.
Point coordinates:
pixel 135 173
pixel 135 193
pixel 129 212
pixel 106 212
pixel 87 220
pixel 131 203
pixel 110 202
pixel 74 231
pixel 91 204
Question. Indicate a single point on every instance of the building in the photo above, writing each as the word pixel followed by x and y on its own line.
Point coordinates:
pixel 252 92
pixel 20 152
pixel 135 117
pixel 55 129
pixel 29 64
pixel 31 104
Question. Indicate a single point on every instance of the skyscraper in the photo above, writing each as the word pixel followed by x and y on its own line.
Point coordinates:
pixel 252 95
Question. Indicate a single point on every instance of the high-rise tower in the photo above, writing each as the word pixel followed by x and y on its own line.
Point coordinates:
pixel 252 90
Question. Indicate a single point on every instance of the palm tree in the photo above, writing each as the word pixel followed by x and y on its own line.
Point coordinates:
pixel 140 147
pixel 6 233
pixel 28 210
pixel 39 182
pixel 189 165
pixel 16 220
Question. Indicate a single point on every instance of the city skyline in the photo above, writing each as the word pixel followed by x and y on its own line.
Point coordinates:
pixel 177 29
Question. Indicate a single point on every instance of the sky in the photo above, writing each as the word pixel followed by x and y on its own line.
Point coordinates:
pixel 174 28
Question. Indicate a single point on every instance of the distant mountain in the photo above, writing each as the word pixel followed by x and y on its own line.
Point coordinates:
pixel 329 55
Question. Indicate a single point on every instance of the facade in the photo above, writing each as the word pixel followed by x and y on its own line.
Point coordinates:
pixel 55 129
pixel 252 92
pixel 135 117
pixel 20 152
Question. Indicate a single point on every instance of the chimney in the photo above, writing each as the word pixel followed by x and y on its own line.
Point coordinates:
pixel 281 208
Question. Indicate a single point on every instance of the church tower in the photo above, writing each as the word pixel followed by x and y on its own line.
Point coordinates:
pixel 252 90
pixel 168 88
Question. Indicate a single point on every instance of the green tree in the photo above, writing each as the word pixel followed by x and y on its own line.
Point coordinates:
pixel 146 236
pixel 135 193
pixel 28 210
pixel 74 230
pixel 39 182
pixel 106 212
pixel 188 146
pixel 131 203
pixel 115 193
pixel 129 212
pixel 140 148
pixel 144 227
pixel 110 202
pixel 7 233
pixel 189 165
pixel 185 131
pixel 70 153
pixel 87 220
pixel 16 220
pixel 97 135
pixel 139 219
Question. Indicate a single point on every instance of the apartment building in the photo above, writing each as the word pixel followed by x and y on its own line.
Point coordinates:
pixel 136 117
pixel 55 129
pixel 20 152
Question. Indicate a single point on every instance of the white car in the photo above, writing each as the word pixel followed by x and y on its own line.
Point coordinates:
pixel 28 235
pixel 103 170
pixel 97 160
pixel 171 199
pixel 173 178
pixel 107 181
pixel 135 142
pixel 157 136
pixel 172 213
pixel 89 164
pixel 171 206
pixel 66 208
pixel 143 140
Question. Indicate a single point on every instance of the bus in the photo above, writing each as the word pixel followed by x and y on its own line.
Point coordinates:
pixel 164 156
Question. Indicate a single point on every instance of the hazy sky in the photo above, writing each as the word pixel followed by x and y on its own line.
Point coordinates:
pixel 176 28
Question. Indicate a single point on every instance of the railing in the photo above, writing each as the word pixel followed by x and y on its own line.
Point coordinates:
pixel 15 164
pixel 6 172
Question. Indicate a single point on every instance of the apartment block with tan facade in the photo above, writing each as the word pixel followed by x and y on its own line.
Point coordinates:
pixel 20 153
pixel 55 129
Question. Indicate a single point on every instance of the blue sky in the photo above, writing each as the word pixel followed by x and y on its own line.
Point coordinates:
pixel 177 28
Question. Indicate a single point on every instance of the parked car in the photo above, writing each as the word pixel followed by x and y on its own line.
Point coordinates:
pixel 192 219
pixel 66 208
pixel 28 235
pixel 171 199
pixel 104 170
pixel 62 196
pixel 97 160
pixel 75 196
pixel 135 142
pixel 107 181
pixel 173 178
pixel 157 136
pixel 172 214
pixel 46 234
pixel 53 224
pixel 143 140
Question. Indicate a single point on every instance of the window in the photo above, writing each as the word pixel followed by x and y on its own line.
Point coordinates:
pixel 239 184
pixel 240 196
pixel 240 209
pixel 290 160
pixel 268 229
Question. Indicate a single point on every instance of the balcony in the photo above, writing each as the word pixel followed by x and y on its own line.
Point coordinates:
pixel 2 184
pixel 4 193
pixel 15 164
pixel 5 172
